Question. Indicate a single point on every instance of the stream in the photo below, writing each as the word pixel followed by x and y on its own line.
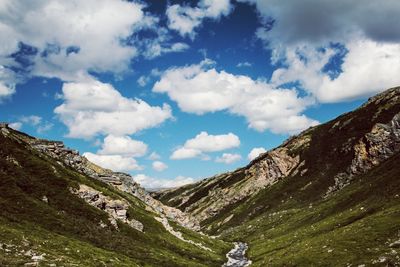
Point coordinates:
pixel 236 257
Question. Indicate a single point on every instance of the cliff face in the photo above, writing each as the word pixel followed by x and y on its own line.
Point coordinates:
pixel 328 156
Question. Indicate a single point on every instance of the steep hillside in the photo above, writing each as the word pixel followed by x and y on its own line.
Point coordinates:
pixel 58 208
pixel 329 196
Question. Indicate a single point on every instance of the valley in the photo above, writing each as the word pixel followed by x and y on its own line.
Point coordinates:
pixel 328 196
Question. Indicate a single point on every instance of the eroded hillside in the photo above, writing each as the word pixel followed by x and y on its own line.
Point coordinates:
pixel 327 196
pixel 59 208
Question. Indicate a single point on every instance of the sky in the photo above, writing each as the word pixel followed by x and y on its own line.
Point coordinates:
pixel 176 91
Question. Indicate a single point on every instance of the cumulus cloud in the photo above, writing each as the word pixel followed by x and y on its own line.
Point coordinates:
pixel 159 166
pixel 185 19
pixel 92 108
pixel 367 68
pixel 154 156
pixel 154 183
pixel 113 162
pixel 200 88
pixel 255 152
pixel 204 142
pixel 301 33
pixel 70 39
pixel 122 145
pixel 185 153
pixel 228 158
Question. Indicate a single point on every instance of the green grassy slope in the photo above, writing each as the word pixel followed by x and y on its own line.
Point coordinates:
pixel 292 223
pixel 67 230
pixel 355 226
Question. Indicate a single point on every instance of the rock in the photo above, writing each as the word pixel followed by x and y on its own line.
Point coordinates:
pixel 31 264
pixel 117 209
pixel 374 147
pixel 37 257
pixel 45 199
pixel 122 181
pixel 395 244
pixel 136 225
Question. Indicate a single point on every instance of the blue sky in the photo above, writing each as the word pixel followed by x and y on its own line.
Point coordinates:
pixel 176 91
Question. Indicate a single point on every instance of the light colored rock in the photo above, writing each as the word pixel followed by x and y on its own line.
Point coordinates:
pixel 45 199
pixel 373 148
pixel 117 209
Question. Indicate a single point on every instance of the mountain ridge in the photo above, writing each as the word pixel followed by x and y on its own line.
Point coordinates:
pixel 59 208
pixel 320 182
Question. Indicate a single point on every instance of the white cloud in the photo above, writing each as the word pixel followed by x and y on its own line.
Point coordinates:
pixel 154 47
pixel 200 89
pixel 210 143
pixel 185 153
pixel 122 145
pixel 113 162
pixel 302 41
pixel 15 125
pixel 32 120
pixel 150 182
pixel 6 91
pixel 228 158
pixel 35 121
pixel 204 142
pixel 368 68
pixel 159 166
pixel 92 108
pixel 72 37
pixel 255 152
pixel 185 19
pixel 154 156
pixel 243 64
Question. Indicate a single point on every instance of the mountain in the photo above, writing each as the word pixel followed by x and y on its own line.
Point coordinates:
pixel 59 209
pixel 329 196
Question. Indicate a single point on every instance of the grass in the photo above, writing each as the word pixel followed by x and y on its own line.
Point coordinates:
pixel 68 230
pixel 292 223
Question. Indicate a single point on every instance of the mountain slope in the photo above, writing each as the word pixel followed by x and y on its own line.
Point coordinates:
pixel 327 196
pixel 58 208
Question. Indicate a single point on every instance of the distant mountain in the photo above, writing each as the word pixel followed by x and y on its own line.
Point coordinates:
pixel 59 209
pixel 329 196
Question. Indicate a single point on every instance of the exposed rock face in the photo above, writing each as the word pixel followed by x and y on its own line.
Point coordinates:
pixel 272 166
pixel 122 181
pixel 266 170
pixel 378 145
pixel 372 149
pixel 117 209
pixel 330 154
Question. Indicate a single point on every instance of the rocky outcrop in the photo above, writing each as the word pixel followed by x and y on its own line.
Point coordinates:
pixel 373 148
pixel 117 209
pixel 272 166
pixel 264 171
pixel 120 180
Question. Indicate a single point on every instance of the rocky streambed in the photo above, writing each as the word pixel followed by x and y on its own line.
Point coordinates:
pixel 236 257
